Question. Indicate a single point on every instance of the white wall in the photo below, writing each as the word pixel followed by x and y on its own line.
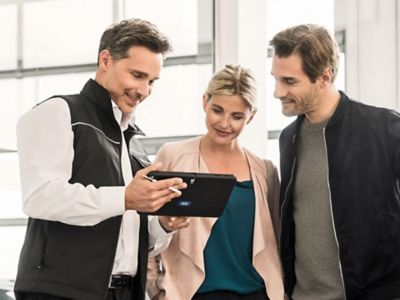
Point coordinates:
pixel 371 49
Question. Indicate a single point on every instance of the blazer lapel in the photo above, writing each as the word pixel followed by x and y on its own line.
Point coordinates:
pixel 201 229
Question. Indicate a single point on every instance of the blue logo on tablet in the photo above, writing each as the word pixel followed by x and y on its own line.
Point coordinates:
pixel 184 203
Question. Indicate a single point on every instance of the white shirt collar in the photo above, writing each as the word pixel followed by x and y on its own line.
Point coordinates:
pixel 122 120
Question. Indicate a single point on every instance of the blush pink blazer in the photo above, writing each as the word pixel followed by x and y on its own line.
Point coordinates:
pixel 177 273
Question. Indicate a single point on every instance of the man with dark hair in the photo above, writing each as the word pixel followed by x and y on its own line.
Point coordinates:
pixel 340 178
pixel 82 176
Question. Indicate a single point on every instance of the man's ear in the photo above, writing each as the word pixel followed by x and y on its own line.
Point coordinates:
pixel 104 59
pixel 326 76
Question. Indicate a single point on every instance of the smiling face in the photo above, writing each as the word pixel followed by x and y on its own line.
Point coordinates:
pixel 129 80
pixel 293 87
pixel 226 117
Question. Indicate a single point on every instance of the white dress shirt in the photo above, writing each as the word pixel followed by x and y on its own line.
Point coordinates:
pixel 45 149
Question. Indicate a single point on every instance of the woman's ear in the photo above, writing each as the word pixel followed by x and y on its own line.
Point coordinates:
pixel 205 101
pixel 251 117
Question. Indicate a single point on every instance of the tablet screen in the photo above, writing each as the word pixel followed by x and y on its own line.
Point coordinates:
pixel 205 196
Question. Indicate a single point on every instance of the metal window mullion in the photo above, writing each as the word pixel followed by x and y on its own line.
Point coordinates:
pixel 20 72
pixel 20 8
pixel 13 222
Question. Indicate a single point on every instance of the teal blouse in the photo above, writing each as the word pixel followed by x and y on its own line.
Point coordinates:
pixel 229 250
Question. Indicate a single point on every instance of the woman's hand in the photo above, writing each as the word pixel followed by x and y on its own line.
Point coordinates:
pixel 173 223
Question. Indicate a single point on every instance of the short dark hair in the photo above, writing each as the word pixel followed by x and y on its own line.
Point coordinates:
pixel 313 43
pixel 119 37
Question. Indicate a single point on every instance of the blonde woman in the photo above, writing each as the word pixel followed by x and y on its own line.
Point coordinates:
pixel 234 256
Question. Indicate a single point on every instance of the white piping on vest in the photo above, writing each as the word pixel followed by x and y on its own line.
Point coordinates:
pixel 95 128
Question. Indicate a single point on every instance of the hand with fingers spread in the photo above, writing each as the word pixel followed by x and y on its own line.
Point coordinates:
pixel 173 223
pixel 144 196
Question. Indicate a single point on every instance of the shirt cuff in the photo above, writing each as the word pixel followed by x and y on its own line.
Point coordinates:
pixel 159 239
pixel 156 230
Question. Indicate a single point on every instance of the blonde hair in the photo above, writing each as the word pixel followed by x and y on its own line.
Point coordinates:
pixel 233 80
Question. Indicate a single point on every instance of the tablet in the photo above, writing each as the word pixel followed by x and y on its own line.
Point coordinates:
pixel 205 196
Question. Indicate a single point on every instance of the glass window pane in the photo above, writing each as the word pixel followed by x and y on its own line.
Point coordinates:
pixel 8 116
pixel 8 33
pixel 177 19
pixel 63 32
pixel 298 12
pixel 10 195
pixel 175 107
pixel 11 238
pixel 205 22
pixel 62 84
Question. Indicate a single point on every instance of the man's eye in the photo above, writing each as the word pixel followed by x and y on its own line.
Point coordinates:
pixel 290 81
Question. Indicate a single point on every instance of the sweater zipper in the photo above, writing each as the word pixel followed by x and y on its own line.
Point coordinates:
pixel 333 221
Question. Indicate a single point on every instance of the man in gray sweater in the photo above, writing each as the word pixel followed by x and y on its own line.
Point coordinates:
pixel 340 173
